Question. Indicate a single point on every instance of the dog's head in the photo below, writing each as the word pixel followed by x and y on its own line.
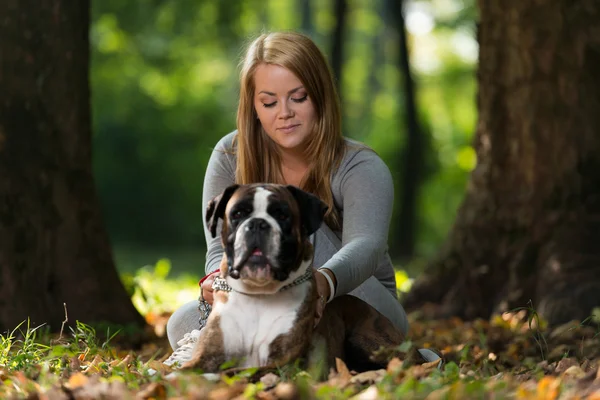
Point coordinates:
pixel 265 230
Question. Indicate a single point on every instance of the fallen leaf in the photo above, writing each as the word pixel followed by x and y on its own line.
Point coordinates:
pixel 154 390
pixel 342 369
pixel 342 376
pixel 159 367
pixel 565 364
pixel 286 391
pixel 394 365
pixel 270 380
pixel 94 366
pixel 371 393
pixel 594 396
pixel 574 372
pixel 548 388
pixel 123 362
pixel 77 380
pixel 368 377
pixel 226 393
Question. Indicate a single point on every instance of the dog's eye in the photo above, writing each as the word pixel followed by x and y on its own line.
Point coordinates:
pixel 237 214
pixel 282 216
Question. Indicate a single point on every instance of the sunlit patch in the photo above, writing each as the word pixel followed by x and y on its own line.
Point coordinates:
pixel 554 265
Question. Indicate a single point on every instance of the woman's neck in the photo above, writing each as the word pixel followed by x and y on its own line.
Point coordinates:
pixel 293 168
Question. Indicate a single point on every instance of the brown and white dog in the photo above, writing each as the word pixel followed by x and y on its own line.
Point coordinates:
pixel 265 294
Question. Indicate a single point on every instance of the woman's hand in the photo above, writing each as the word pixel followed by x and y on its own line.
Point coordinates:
pixel 206 290
pixel 323 291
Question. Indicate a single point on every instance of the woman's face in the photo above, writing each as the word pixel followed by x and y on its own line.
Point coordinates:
pixel 284 109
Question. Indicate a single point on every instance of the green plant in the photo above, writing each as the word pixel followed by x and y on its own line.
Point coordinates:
pixel 19 350
pixel 536 324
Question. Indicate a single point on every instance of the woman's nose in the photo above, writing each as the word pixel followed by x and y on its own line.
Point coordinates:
pixel 286 111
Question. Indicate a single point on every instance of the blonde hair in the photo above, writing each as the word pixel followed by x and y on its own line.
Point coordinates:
pixel 258 159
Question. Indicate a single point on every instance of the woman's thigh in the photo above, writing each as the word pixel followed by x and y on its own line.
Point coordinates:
pixel 379 297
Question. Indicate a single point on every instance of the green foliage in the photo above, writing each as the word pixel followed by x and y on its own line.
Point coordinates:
pixel 536 325
pixel 164 87
pixel 153 291
pixel 19 351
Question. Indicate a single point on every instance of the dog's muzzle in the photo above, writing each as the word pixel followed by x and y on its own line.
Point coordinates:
pixel 254 251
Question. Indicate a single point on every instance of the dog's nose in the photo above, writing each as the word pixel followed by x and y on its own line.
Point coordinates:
pixel 257 225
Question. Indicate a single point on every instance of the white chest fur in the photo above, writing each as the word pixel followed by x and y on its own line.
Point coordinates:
pixel 251 323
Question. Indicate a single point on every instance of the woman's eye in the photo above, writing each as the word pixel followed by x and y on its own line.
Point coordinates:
pixel 301 99
pixel 269 105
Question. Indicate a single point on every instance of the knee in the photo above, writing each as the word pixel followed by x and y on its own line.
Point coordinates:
pixel 182 321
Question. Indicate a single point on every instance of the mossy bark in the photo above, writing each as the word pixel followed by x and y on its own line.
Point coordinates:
pixel 54 248
pixel 529 226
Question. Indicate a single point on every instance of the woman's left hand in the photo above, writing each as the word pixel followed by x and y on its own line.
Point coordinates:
pixel 323 293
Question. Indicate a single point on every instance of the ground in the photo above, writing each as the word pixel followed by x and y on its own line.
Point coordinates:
pixel 509 356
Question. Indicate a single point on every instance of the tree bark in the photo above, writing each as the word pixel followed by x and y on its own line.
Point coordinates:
pixel 305 10
pixel 529 226
pixel 337 45
pixel 53 245
pixel 412 155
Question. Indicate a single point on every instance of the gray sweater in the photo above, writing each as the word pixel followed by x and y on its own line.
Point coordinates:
pixel 363 193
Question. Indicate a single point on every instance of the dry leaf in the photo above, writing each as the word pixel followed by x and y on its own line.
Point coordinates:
pixel 565 364
pixel 368 377
pixel 594 396
pixel 270 380
pixel 394 365
pixel 574 372
pixel 430 366
pixel 371 393
pixel 154 390
pixel 226 393
pixel 77 380
pixel 548 388
pixel 286 391
pixel 93 367
pixel 125 362
pixel 342 369
pixel 159 367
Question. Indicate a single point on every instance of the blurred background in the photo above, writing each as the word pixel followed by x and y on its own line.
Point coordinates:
pixel 164 78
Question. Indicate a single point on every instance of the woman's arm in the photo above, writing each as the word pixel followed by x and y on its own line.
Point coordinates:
pixel 366 192
pixel 220 173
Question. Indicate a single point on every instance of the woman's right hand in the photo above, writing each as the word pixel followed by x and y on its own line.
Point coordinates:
pixel 206 289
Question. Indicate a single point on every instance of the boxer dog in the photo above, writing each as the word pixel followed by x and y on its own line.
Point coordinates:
pixel 265 293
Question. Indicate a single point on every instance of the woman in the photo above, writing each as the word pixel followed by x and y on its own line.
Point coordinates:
pixel 289 131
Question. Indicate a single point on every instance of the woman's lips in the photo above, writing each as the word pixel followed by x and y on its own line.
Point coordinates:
pixel 289 128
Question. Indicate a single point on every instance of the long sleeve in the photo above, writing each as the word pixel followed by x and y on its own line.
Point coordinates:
pixel 220 173
pixel 364 190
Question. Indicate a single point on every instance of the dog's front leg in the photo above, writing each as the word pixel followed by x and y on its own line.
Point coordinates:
pixel 209 353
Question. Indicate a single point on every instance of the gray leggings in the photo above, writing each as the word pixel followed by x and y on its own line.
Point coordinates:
pixel 185 318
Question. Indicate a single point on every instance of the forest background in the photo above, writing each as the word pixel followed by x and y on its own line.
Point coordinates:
pixel 164 81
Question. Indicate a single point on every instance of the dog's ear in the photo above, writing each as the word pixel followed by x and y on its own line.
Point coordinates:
pixel 312 209
pixel 216 208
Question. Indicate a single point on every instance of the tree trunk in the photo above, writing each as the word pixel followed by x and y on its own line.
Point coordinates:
pixel 305 10
pixel 53 245
pixel 529 226
pixel 412 156
pixel 337 45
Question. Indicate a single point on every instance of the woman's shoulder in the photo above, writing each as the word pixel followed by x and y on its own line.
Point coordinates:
pixel 358 153
pixel 226 143
pixel 223 154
